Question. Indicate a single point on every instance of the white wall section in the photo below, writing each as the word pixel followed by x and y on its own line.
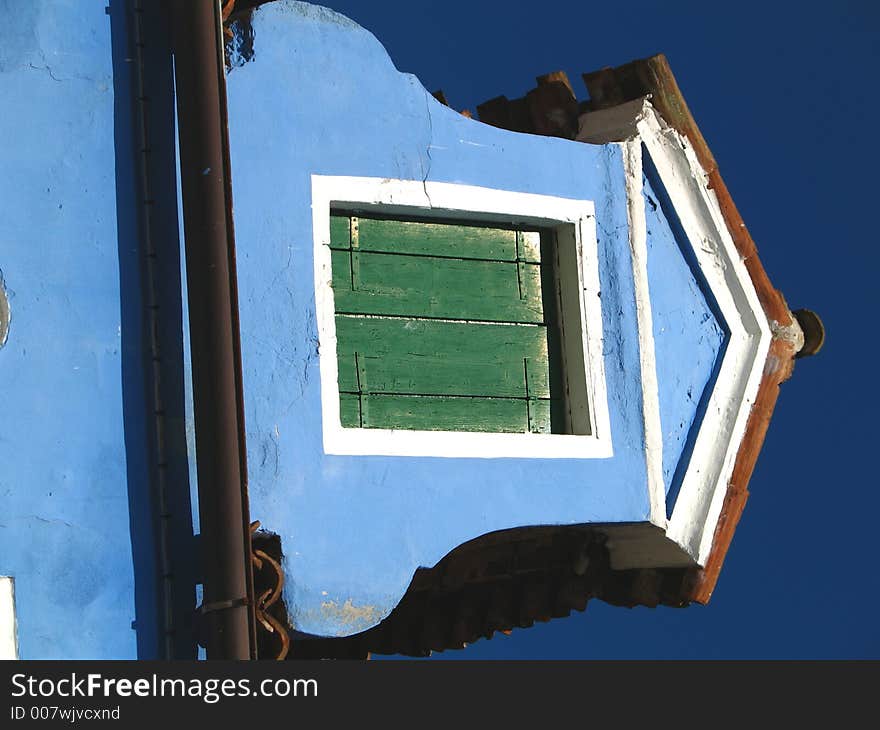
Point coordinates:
pixel 698 506
pixel 8 630
pixel 638 241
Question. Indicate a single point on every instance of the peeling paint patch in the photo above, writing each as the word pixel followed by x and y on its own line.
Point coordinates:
pixel 4 312
pixel 240 42
pixel 350 618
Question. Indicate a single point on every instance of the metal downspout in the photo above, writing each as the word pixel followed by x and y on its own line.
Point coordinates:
pixel 214 329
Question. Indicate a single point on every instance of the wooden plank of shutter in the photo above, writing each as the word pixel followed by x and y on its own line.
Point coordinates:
pixel 443 413
pixel 441 358
pixel 431 239
pixel 423 286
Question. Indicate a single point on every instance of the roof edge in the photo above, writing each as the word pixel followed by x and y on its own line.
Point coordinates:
pixel 653 77
pixel 540 112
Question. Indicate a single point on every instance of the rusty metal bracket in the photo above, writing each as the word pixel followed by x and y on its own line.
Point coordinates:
pixel 223 605
pixel 228 7
pixel 265 565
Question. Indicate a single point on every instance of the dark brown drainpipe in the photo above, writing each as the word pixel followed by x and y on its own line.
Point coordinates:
pixel 214 330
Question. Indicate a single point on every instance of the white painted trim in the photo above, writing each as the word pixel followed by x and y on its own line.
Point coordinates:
pixel 704 486
pixel 638 241
pixel 8 629
pixel 413 197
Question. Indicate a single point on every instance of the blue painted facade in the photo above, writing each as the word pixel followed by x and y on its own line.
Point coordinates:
pixel 65 476
pixel 79 519
pixel 78 449
pixel 354 529
pixel 684 321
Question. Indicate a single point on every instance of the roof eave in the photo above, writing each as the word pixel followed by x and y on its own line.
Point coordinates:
pixel 653 77
pixel 625 88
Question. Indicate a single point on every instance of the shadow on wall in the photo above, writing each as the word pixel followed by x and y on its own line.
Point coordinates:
pixel 163 546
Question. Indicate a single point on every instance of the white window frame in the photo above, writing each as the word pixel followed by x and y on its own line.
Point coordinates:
pixel 575 223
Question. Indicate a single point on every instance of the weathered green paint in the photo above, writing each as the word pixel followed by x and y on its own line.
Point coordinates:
pixel 434 239
pixel 441 358
pixel 350 410
pixel 442 327
pixel 443 413
pixel 340 231
pixel 424 286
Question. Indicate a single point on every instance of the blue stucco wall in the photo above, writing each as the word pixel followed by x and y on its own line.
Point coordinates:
pixel 64 523
pixel 78 523
pixel 688 334
pixel 354 529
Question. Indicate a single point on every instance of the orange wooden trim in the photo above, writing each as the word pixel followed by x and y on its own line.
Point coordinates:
pixel 653 76
pixel 778 368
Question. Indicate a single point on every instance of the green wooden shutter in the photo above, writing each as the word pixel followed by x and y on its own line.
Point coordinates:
pixel 445 326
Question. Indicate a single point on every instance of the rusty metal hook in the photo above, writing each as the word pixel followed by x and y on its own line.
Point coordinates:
pixel 228 7
pixel 260 559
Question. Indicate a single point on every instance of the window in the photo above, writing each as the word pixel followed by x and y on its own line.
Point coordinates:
pixel 460 327
pixel 446 327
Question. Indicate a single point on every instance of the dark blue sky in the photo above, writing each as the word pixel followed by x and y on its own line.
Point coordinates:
pixel 785 95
